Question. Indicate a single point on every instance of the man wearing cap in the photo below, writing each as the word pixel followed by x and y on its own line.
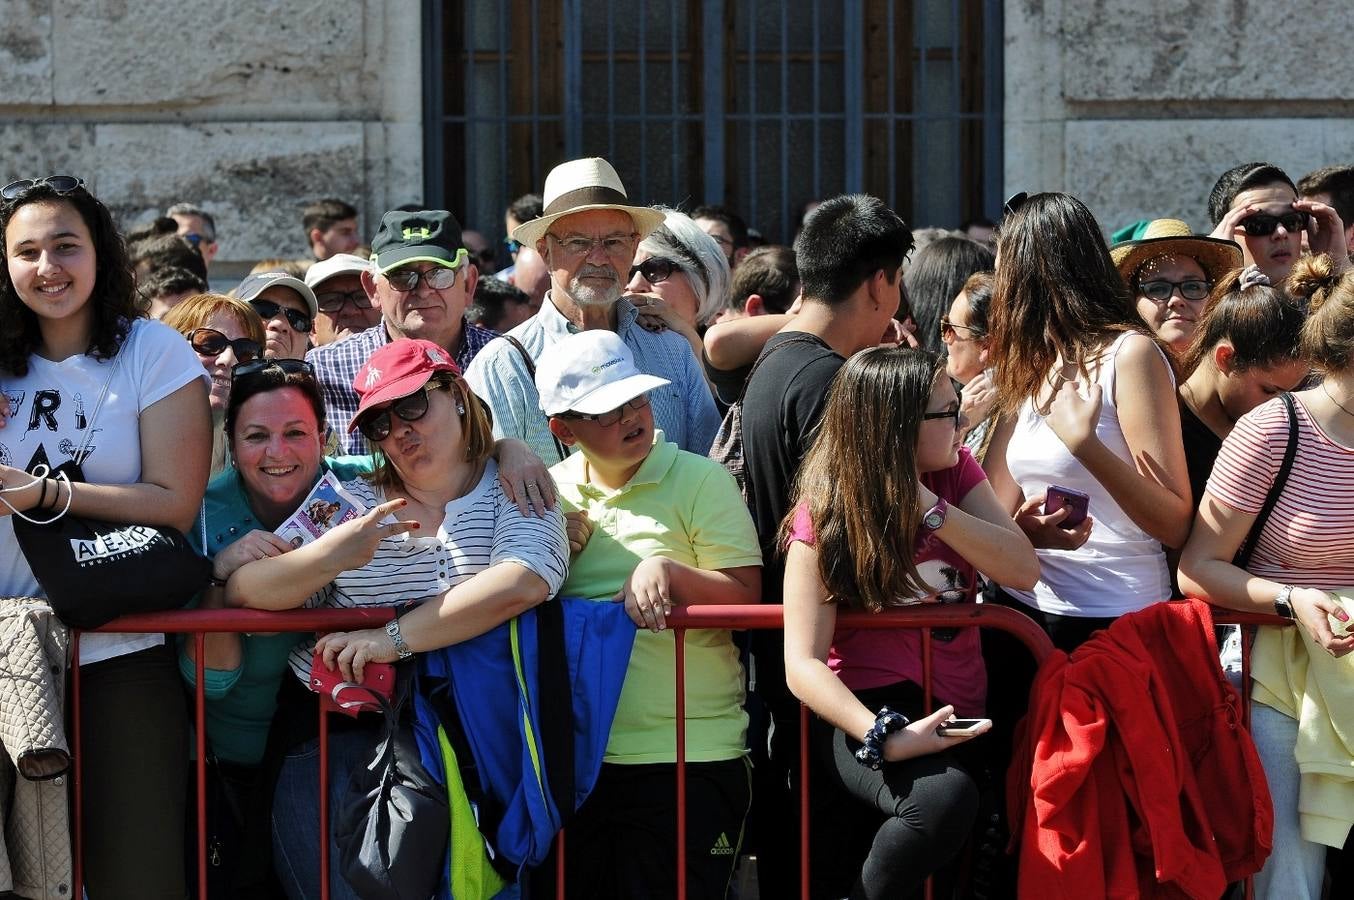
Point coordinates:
pixel 287 308
pixel 345 308
pixel 587 237
pixel 671 528
pixel 422 279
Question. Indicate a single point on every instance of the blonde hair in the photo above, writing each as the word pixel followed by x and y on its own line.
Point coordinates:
pixel 1328 333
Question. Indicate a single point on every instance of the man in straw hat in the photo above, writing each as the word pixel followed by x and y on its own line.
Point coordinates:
pixel 1170 271
pixel 587 236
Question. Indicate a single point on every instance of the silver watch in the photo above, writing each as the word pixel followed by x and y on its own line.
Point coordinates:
pixel 393 630
pixel 1283 605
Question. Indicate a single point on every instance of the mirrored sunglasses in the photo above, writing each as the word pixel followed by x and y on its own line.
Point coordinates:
pixel 62 184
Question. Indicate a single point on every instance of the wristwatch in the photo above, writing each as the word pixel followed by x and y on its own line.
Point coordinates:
pixel 393 630
pixel 935 516
pixel 1282 605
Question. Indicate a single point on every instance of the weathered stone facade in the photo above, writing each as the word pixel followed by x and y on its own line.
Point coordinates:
pixel 1138 107
pixel 248 109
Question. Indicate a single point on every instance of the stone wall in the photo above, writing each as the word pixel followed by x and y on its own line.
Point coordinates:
pixel 250 110
pixel 1138 107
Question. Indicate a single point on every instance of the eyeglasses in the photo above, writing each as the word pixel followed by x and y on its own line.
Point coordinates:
pixel 947 329
pixel 195 239
pixel 298 320
pixel 438 278
pixel 62 184
pixel 513 246
pixel 656 269
pixel 617 245
pixel 286 366
pixel 210 342
pixel 376 427
pixel 608 419
pixel 946 414
pixel 1159 291
pixel 1263 224
pixel 333 301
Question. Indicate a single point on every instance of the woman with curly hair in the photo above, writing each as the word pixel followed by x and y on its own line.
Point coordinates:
pixel 69 328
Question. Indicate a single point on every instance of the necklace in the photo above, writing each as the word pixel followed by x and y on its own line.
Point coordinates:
pixel 1333 400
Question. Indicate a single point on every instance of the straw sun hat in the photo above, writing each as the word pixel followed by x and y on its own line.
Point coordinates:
pixel 578 186
pixel 1172 237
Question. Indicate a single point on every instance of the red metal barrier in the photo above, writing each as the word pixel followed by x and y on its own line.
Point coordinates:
pixel 202 622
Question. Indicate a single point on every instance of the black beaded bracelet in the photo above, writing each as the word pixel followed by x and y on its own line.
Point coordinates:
pixel 871 752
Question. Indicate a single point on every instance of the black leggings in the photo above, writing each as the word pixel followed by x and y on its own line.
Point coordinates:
pixel 930 801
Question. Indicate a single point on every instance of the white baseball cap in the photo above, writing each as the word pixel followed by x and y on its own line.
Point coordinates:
pixel 591 372
pixel 338 264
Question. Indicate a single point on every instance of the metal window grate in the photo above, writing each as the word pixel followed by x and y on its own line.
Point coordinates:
pixel 758 104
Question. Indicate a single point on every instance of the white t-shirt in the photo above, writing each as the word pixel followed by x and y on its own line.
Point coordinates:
pixel 50 409
pixel 480 530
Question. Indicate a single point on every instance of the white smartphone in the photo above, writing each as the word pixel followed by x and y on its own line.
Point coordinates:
pixel 963 727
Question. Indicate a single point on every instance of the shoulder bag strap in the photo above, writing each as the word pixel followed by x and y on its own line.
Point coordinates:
pixel 803 339
pixel 531 373
pixel 94 414
pixel 1243 555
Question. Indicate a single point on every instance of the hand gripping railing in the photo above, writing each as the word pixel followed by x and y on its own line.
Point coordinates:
pixel 199 623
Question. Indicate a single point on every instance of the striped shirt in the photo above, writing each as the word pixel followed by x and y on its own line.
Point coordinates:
pixel 1309 537
pixel 336 366
pixel 481 529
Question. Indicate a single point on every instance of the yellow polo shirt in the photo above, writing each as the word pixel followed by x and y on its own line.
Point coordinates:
pixel 686 508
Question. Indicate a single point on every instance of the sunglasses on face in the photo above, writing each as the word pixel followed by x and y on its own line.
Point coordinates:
pixel 286 366
pixel 267 309
pixel 62 184
pixel 333 301
pixel 943 414
pixel 1159 291
pixel 947 330
pixel 210 342
pixel 376 427
pixel 1263 224
pixel 405 280
pixel 513 246
pixel 655 269
pixel 608 419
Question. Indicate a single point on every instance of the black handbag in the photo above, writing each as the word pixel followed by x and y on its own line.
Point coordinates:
pixel 394 823
pixel 93 571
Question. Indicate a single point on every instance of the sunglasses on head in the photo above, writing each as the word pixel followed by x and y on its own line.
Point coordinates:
pixel 656 269
pixel 286 366
pixel 267 309
pixel 61 184
pixel 210 342
pixel 1159 290
pixel 1264 224
pixel 334 301
pixel 376 427
pixel 405 280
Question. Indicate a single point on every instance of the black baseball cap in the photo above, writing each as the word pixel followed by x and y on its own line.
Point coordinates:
pixel 427 235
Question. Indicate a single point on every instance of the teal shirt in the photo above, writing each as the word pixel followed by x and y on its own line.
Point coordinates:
pixel 241 702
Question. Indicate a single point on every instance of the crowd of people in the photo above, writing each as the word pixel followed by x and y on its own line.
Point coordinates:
pixel 648 408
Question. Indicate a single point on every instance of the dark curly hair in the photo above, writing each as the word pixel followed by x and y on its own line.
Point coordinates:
pixel 113 296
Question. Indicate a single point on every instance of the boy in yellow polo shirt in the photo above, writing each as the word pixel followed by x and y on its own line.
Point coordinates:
pixel 657 526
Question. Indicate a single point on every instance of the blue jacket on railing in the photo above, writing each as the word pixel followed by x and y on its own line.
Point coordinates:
pixel 501 689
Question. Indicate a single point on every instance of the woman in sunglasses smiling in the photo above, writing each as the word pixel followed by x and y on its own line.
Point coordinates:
pixel 223 332
pixel 680 279
pixel 461 550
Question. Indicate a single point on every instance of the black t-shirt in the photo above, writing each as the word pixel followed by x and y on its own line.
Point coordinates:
pixel 781 409
pixel 1201 450
pixel 728 383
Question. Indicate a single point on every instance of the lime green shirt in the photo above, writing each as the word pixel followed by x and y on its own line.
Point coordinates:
pixel 687 508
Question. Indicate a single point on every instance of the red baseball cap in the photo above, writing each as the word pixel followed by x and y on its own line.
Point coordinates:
pixel 397 370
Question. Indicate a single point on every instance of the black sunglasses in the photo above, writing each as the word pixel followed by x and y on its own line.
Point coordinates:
pixel 947 414
pixel 334 301
pixel 210 342
pixel 62 184
pixel 656 269
pixel 1014 202
pixel 287 366
pixel 513 246
pixel 376 427
pixel 267 309
pixel 1263 224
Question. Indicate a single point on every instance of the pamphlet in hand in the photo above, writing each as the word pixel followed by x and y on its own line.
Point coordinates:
pixel 326 506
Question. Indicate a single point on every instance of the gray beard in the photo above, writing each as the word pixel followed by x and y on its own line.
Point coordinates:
pixel 586 295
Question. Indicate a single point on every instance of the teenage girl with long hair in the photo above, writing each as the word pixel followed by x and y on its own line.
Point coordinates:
pixel 866 536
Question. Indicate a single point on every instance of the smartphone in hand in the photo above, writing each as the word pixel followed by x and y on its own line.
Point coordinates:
pixel 1077 503
pixel 963 727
